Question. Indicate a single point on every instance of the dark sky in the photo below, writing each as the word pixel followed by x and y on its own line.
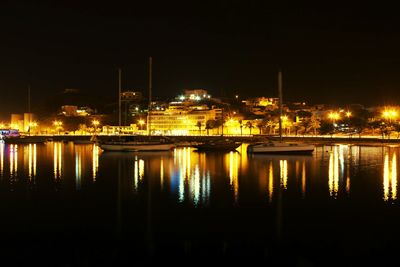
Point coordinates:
pixel 333 54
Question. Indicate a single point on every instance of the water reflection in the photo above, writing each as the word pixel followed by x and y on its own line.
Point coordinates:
pixel 13 161
pixel 232 161
pixel 138 172
pixel 283 173
pixel 95 161
pixel 270 181
pixel 2 158
pixel 78 167
pixel 190 177
pixel 57 160
pixel 390 177
pixel 30 160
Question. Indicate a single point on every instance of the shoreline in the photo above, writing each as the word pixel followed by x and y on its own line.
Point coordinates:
pixel 316 140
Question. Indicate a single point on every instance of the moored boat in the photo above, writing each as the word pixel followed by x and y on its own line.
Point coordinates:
pixel 217 145
pixel 274 147
pixel 136 146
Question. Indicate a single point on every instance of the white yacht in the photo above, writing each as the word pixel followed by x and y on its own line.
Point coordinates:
pixel 280 147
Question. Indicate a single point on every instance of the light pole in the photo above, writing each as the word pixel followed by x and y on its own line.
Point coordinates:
pixel 57 125
pixel 95 123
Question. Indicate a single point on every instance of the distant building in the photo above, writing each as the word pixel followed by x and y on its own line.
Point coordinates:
pixel 131 96
pixel 180 121
pixel 22 122
pixel 194 95
pixel 69 111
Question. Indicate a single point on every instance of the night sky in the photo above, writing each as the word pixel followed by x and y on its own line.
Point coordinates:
pixel 328 54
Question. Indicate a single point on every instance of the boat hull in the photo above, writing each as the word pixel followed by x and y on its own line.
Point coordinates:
pixel 136 147
pixel 216 147
pixel 301 149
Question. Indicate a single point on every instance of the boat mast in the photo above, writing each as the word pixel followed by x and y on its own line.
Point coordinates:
pixel 280 104
pixel 150 88
pixel 119 100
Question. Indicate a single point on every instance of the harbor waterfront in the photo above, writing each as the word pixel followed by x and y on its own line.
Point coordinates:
pixel 186 205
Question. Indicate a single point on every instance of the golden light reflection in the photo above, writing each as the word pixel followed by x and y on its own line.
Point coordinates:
pixel 390 178
pixel 57 160
pixel 13 160
pixel 234 173
pixel 303 179
pixel 270 182
pixel 283 173
pixel 1 158
pixel 95 161
pixel 162 173
pixel 334 173
pixel 78 168
pixel 138 172
pixel 31 161
pixel 189 176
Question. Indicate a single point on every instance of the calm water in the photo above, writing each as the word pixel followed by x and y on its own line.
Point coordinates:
pixel 67 204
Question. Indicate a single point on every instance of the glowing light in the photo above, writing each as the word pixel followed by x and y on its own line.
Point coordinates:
pixel 390 178
pixel 57 160
pixel 1 158
pixel 95 161
pixel 334 173
pixel 270 182
pixel 78 169
pixel 348 114
pixel 95 123
pixel 334 116
pixel 389 113
pixel 283 173
pixel 303 179
pixel 234 173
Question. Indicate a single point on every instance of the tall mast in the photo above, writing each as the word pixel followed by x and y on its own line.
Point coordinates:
pixel 280 104
pixel 119 98
pixel 29 98
pixel 150 88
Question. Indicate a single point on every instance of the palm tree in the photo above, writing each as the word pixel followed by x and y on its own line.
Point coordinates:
pixel 270 124
pixel 260 125
pixel 210 124
pixel 249 125
pixel 315 123
pixel 198 124
pixel 241 126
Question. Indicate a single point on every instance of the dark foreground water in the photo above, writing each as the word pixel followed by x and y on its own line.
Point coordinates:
pixel 72 205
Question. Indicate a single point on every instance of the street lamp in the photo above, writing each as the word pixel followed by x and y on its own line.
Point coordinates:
pixel 141 123
pixel 334 116
pixel 58 125
pixel 389 114
pixel 95 124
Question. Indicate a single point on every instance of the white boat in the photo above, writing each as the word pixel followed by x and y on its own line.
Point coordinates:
pixel 136 146
pixel 122 145
pixel 276 147
pixel 280 147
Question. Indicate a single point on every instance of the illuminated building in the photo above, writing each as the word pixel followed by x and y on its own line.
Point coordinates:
pixel 108 129
pixel 180 121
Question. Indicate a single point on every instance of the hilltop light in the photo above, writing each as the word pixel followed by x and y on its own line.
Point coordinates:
pixel 197 98
pixel 182 97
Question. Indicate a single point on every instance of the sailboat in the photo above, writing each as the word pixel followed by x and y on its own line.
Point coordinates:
pixel 150 145
pixel 280 147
